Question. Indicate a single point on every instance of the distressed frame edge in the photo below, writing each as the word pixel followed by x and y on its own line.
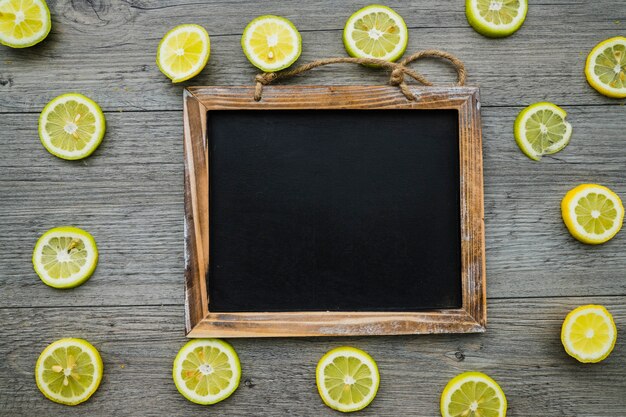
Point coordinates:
pixel 470 318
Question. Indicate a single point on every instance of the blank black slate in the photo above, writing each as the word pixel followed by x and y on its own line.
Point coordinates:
pixel 340 210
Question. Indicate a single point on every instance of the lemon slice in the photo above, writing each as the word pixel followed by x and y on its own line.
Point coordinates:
pixel 540 129
pixel 376 31
pixel 347 379
pixel 589 333
pixel 69 371
pixel 473 394
pixel 606 67
pixel 65 257
pixel 206 371
pixel 271 43
pixel 71 126
pixel 496 18
pixel 183 52
pixel 592 213
pixel 23 23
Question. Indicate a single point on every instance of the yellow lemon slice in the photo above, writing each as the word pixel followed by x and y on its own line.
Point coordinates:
pixel 206 371
pixel 23 23
pixel 496 18
pixel 69 371
pixel 71 126
pixel 592 213
pixel 271 43
pixel 347 379
pixel 540 129
pixel 65 257
pixel 376 31
pixel 589 333
pixel 606 67
pixel 473 394
pixel 183 52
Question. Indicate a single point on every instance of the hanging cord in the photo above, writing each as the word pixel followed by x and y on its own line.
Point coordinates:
pixel 398 70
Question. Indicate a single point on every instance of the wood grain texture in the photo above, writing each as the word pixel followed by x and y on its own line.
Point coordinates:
pixel 129 195
pixel 521 350
pixel 106 49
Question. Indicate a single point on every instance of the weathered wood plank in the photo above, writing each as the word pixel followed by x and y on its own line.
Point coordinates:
pixel 129 194
pixel 106 50
pixel 521 350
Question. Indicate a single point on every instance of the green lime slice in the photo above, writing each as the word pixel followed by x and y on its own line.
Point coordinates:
pixel 65 257
pixel 271 43
pixel 183 52
pixel 376 31
pixel 23 23
pixel 71 126
pixel 540 129
pixel 496 18
pixel 206 371
pixel 347 379
pixel 69 371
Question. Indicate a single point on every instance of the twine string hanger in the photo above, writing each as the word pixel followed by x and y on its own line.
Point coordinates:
pixel 398 70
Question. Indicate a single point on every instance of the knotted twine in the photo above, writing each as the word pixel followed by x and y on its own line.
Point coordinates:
pixel 398 70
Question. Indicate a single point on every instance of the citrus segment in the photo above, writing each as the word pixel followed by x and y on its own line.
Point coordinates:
pixel 589 333
pixel 183 52
pixel 605 68
pixel 347 379
pixel 592 213
pixel 496 18
pixel 473 394
pixel 206 371
pixel 69 371
pixel 271 43
pixel 23 23
pixel 376 31
pixel 540 129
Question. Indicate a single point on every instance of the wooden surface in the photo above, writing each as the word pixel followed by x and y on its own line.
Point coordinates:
pixel 129 195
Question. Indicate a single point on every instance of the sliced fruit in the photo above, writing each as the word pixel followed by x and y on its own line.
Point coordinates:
pixel 347 379
pixel 183 52
pixel 376 31
pixel 496 18
pixel 206 371
pixel 540 129
pixel 592 213
pixel 65 257
pixel 271 43
pixel 589 333
pixel 69 371
pixel 606 67
pixel 71 126
pixel 473 394
pixel 23 23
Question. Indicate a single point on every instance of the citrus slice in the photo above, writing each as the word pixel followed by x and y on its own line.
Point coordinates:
pixel 23 23
pixel 496 18
pixel 69 371
pixel 473 394
pixel 347 379
pixel 589 333
pixel 65 257
pixel 183 52
pixel 606 67
pixel 71 126
pixel 592 213
pixel 540 129
pixel 271 43
pixel 206 371
pixel 376 31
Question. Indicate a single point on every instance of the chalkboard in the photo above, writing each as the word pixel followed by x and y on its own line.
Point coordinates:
pixel 333 211
pixel 316 210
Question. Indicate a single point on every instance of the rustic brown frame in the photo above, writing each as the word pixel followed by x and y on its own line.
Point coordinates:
pixel 201 322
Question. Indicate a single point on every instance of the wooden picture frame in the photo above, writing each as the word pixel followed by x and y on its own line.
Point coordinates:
pixel 201 322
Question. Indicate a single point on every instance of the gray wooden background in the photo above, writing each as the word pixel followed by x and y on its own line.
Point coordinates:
pixel 129 195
